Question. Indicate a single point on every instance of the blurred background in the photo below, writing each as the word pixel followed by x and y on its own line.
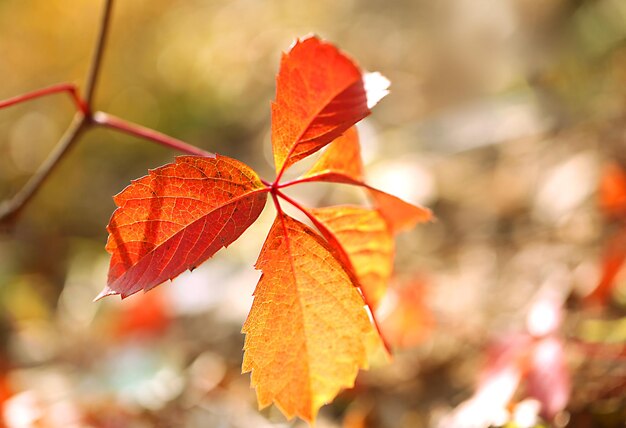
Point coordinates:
pixel 506 118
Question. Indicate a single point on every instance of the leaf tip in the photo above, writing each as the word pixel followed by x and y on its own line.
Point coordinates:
pixel 104 293
pixel 309 37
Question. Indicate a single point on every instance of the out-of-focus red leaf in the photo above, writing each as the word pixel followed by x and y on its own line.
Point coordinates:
pixel 488 405
pixel 409 321
pixel 6 391
pixel 535 360
pixel 505 351
pixel 612 192
pixel 320 93
pixel 500 378
pixel 308 332
pixel 177 217
pixel 612 195
pixel 147 316
pixel 362 234
pixel 341 163
pixel 548 377
pixel 613 262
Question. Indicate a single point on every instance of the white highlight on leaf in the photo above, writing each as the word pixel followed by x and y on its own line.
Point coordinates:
pixel 376 87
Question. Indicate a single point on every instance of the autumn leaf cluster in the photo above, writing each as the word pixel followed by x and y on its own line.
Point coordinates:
pixel 309 330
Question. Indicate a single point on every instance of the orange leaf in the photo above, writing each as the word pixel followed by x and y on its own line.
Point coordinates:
pixel 409 320
pixel 341 160
pixel 367 242
pixel 613 263
pixel 177 217
pixel 612 191
pixel 320 93
pixel 400 215
pixel 341 163
pixel 144 317
pixel 308 332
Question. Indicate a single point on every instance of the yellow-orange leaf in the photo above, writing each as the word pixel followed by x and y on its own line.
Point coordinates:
pixel 308 332
pixel 364 236
pixel 341 163
pixel 400 215
pixel 341 159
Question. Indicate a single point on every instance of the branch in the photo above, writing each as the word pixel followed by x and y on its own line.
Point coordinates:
pixel 96 59
pixel 50 90
pixel 10 209
pixel 113 122
pixel 83 120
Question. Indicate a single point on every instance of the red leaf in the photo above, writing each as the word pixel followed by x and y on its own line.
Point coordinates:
pixel 147 316
pixel 177 217
pixel 613 262
pixel 341 163
pixel 320 93
pixel 548 378
pixel 612 192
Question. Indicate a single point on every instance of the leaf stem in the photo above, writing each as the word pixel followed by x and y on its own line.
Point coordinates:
pixel 297 205
pixel 50 90
pixel 276 203
pixel 109 121
pixel 296 181
pixel 82 120
pixel 280 213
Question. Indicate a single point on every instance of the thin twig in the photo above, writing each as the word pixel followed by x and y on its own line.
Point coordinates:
pixel 297 181
pixel 82 120
pixel 113 122
pixel 96 59
pixel 9 210
pixel 50 90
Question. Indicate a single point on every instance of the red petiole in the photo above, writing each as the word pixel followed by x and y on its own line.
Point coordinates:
pixel 109 121
pixel 80 103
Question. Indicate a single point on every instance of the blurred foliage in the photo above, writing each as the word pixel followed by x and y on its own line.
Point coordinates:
pixel 501 117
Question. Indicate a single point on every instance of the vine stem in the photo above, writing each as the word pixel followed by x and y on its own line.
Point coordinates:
pixel 296 181
pixel 98 53
pixel 83 120
pixel 50 90
pixel 109 121
pixel 10 209
pixel 325 231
